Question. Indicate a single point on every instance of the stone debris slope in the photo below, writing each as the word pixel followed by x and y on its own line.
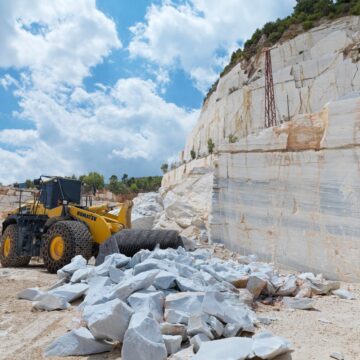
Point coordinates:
pixel 184 207
pixel 146 210
pixel 186 305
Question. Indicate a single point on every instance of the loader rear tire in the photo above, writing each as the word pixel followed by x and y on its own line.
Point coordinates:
pixel 63 241
pixel 8 248
pixel 131 241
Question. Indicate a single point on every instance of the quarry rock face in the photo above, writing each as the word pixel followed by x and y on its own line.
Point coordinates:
pixel 295 187
pixel 290 193
pixel 312 69
pixel 187 205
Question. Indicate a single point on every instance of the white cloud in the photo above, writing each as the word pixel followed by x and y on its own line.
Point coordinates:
pixel 190 35
pixel 127 127
pixel 128 153
pixel 58 40
pixel 8 81
pixel 18 137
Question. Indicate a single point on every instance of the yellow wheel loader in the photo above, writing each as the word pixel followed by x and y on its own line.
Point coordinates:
pixel 56 227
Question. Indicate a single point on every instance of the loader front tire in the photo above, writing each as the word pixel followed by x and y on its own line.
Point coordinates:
pixel 8 248
pixel 63 241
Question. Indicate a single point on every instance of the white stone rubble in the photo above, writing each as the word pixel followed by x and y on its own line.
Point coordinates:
pixel 141 303
pixel 197 340
pixel 235 348
pixel 146 209
pixel 149 303
pixel 174 329
pixel 268 346
pixel 108 321
pixel 344 294
pixel 172 343
pixel 77 342
pixel 300 304
pixel 50 302
pixel 143 340
pixel 78 262
pixel 29 294
pixel 70 292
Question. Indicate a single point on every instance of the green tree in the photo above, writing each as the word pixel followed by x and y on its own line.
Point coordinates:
pixel 114 184
pixel 269 28
pixel 133 187
pixel 355 10
pixel 304 6
pixel 124 177
pixel 211 146
pixel 93 181
pixel 29 184
pixel 122 188
pixel 308 13
pixel 130 181
pixel 308 24
pixel 164 168
pixel 193 154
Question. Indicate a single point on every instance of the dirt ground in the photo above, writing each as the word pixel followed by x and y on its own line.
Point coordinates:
pixel 25 334
pixel 333 327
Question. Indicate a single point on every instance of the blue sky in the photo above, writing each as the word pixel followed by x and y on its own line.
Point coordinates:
pixel 111 85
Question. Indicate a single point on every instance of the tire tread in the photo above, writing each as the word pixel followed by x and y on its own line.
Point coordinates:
pixel 13 260
pixel 78 241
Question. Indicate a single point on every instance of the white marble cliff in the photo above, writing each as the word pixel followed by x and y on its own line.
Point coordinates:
pixel 310 70
pixel 291 193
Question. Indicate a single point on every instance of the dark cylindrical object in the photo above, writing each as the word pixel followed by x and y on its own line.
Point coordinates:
pixel 130 241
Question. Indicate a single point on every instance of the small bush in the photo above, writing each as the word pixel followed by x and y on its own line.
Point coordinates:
pixel 164 168
pixel 133 187
pixel 193 154
pixel 211 146
pixel 306 12
pixel 29 184
pixel 355 10
pixel 274 37
pixel 211 90
pixel 232 138
pixel 308 24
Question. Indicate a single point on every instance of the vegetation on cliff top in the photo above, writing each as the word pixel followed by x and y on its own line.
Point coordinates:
pixel 306 15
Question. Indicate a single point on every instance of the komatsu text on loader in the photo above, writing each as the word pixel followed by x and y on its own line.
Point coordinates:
pixel 56 227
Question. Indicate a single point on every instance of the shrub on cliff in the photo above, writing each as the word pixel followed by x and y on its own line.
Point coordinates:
pixel 232 138
pixel 211 146
pixel 164 168
pixel 306 15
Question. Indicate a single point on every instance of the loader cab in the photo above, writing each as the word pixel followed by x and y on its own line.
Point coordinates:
pixel 55 191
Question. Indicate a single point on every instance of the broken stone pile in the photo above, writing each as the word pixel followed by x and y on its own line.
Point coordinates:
pixel 146 210
pixel 187 305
